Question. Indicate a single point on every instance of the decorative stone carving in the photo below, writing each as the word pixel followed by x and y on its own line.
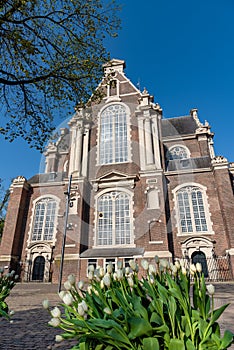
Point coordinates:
pixel 193 113
pixel 19 180
pixel 219 160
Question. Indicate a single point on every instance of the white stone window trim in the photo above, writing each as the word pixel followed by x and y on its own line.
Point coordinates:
pixel 206 209
pixel 129 148
pixel 37 200
pixel 96 216
pixel 181 146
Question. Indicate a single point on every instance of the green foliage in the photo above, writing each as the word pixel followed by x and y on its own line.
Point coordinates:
pixel 51 54
pixel 120 310
pixel 7 282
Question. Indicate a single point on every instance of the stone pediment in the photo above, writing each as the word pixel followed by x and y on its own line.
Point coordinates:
pixel 113 179
pixel 112 175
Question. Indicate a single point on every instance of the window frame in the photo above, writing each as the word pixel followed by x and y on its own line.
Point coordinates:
pixel 174 146
pixel 46 199
pixel 113 216
pixel 114 148
pixel 207 214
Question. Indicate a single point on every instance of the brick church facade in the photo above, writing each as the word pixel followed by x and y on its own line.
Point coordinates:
pixel 136 185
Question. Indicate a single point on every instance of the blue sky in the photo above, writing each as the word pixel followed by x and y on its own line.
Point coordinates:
pixel 183 53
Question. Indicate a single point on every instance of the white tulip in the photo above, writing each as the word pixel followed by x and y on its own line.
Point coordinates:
pixel 152 268
pixel 62 293
pixel 46 304
pixel 58 338
pixel 145 264
pixel 80 284
pixel 107 310
pixel 130 282
pixel 67 285
pixel 56 312
pixel 210 289
pixel 81 310
pixel 55 322
pixel 199 267
pixel 106 280
pixel 67 299
pixel 71 278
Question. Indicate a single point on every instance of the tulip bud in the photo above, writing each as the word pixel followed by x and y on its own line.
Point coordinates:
pixel 119 275
pixel 174 270
pixel 193 268
pixel 55 322
pixel 61 294
pixel 107 310
pixel 101 272
pixel 67 299
pixel 67 285
pixel 80 284
pixel 106 280
pixel 132 264
pixel 81 310
pixel 164 263
pixel 45 304
pixel 56 312
pixel 58 338
pixel 90 275
pixel 145 264
pixel 210 289
pixel 183 270
pixel 177 264
pixel 127 270
pixel 91 268
pixel 152 268
pixel 130 282
pixel 109 268
pixel 71 278
pixel 199 267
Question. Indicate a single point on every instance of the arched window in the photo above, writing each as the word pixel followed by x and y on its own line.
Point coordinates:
pixel 114 219
pixel 113 135
pixel 44 220
pixel 191 210
pixel 177 152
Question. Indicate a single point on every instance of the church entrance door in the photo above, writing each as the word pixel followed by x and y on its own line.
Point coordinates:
pixel 38 268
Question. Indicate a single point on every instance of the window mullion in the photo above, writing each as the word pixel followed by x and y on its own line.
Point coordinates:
pixel 44 223
pixel 113 221
pixel 192 212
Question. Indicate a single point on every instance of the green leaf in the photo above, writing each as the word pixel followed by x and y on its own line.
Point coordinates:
pixel 138 327
pixel 100 347
pixel 176 344
pixel 227 339
pixel 150 344
pixel 217 313
pixel 207 305
pixel 190 345
pixel 137 305
pixel 155 318
pixel 163 293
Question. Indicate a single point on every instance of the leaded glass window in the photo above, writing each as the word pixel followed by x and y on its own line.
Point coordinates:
pixel 177 152
pixel 114 220
pixel 113 135
pixel 44 219
pixel 191 210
